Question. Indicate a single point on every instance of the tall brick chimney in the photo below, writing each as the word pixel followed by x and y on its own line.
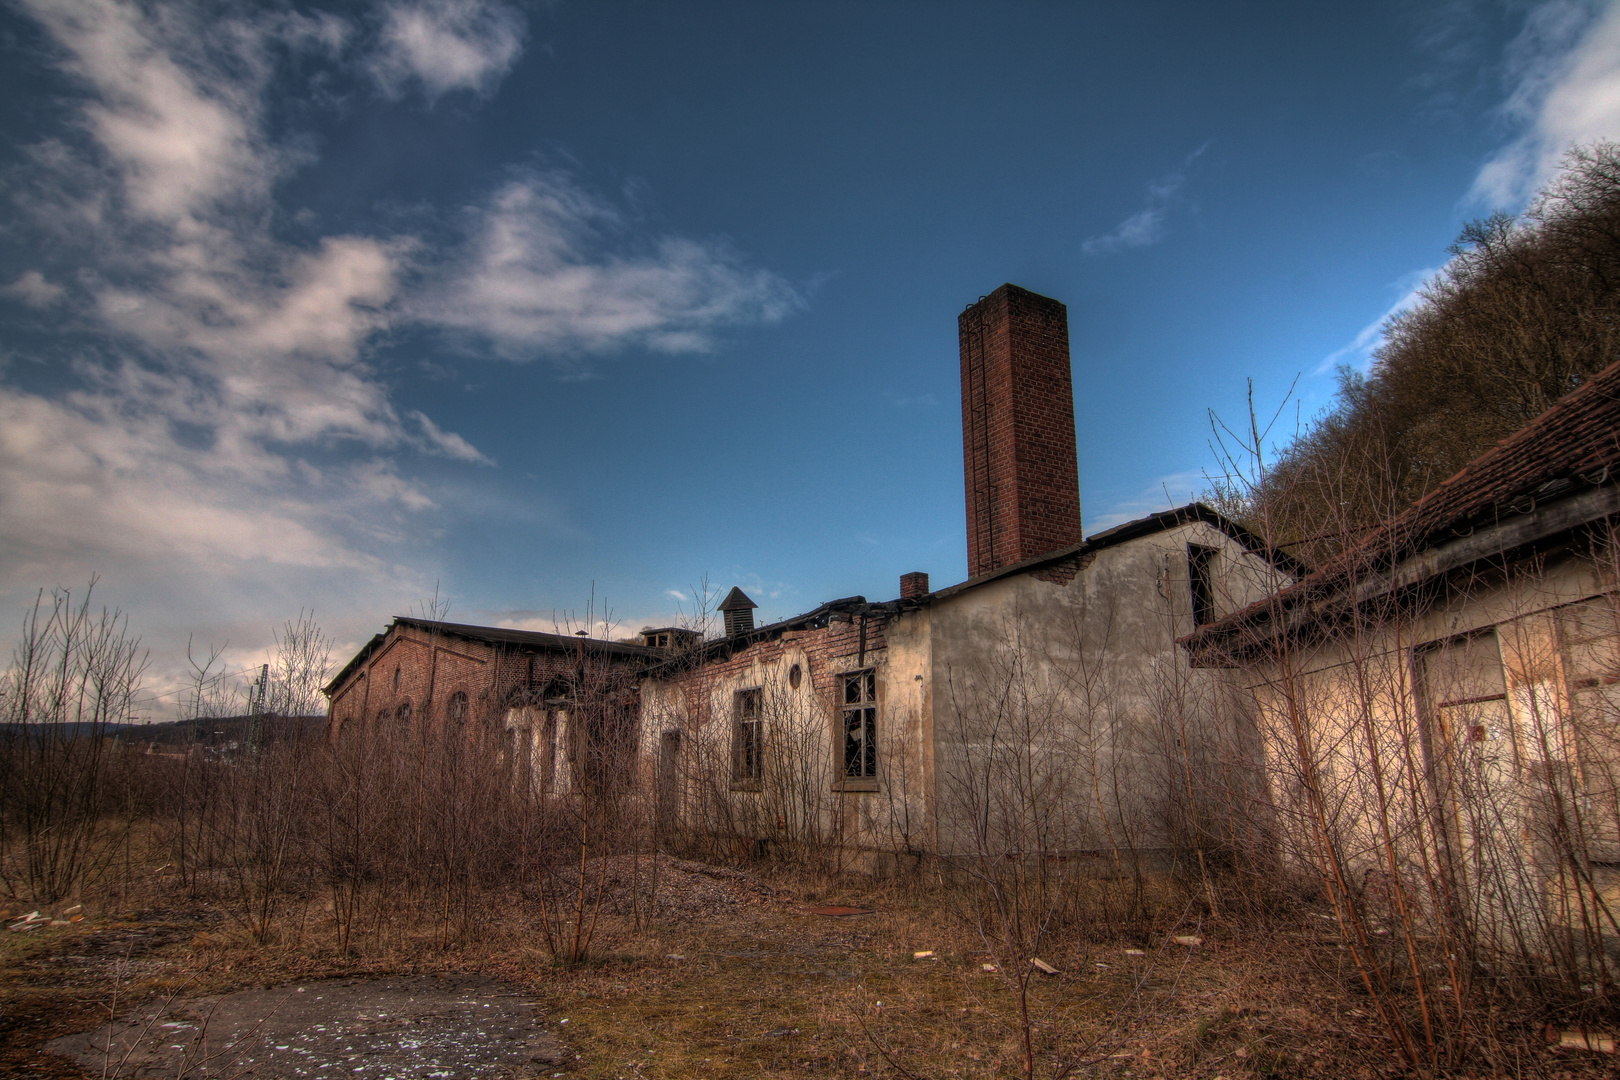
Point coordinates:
pixel 1018 452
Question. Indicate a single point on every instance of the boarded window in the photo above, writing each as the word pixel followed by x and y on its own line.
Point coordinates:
pixel 1589 636
pixel 1465 693
pixel 860 725
pixel 747 738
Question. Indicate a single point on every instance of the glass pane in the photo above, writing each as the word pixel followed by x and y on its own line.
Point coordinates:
pixel 854 730
pixel 869 742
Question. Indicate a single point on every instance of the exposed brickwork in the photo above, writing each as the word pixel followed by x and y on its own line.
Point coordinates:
pixel 829 652
pixel 913 585
pixel 1062 571
pixel 1021 475
pixel 433 667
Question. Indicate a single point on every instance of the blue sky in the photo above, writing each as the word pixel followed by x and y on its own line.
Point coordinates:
pixel 316 307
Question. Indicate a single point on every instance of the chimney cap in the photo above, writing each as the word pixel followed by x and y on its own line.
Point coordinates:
pixel 736 600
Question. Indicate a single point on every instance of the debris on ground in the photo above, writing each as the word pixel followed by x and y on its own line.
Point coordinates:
pixel 410 1027
pixel 1190 940
pixel 1042 966
pixel 926 954
pixel 839 911
pixel 1600 1042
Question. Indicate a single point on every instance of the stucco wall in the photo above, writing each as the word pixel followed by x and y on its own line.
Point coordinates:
pixel 1084 678
pixel 802 796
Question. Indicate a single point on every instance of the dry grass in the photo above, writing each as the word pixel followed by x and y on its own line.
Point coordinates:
pixel 759 987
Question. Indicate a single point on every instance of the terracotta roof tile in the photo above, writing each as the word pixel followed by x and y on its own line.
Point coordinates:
pixel 1577 438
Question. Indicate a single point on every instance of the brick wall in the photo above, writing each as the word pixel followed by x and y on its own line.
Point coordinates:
pixel 1021 475
pixel 434 667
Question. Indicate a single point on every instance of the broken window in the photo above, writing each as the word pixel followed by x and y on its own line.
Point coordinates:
pixel 860 725
pixel 457 709
pixel 1201 579
pixel 748 737
pixel 403 713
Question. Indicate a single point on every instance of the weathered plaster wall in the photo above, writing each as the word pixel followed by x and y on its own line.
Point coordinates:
pixel 1470 778
pixel 1089 672
pixel 802 796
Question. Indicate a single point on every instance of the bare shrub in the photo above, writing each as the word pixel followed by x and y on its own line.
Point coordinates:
pixel 74 680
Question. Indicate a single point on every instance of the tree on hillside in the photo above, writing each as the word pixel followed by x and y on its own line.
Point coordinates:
pixel 1525 309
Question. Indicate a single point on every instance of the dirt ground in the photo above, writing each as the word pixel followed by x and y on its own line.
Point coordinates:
pixel 413 1027
pixel 716 974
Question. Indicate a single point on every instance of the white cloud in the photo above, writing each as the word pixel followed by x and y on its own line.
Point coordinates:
pixel 226 448
pixel 541 276
pixel 1565 72
pixel 446 45
pixel 1147 226
pixel 448 443
pixel 1358 351
pixel 32 289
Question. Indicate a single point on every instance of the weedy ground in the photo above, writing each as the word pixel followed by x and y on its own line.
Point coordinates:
pixel 758 986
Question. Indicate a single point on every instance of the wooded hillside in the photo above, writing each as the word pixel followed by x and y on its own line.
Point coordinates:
pixel 1523 311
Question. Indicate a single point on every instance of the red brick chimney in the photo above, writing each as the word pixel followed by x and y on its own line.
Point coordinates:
pixel 913 584
pixel 1018 453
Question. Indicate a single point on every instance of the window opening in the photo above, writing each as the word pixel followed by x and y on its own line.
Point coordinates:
pixel 1201 580
pixel 748 735
pixel 795 676
pixel 860 725
pixel 403 713
pixel 396 678
pixel 457 709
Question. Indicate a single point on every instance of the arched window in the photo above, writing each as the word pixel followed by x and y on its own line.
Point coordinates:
pixel 396 677
pixel 403 713
pixel 457 707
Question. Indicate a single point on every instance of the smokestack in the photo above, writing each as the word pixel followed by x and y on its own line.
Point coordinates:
pixel 1018 450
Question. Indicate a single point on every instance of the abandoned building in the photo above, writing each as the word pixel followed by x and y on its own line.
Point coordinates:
pixel 862 724
pixel 867 725
pixel 423 669
pixel 1442 701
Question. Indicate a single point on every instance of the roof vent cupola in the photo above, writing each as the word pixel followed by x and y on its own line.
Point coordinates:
pixel 738 611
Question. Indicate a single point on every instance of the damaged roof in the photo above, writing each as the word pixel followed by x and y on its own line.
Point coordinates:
pixel 1571 449
pixel 851 606
pixel 522 640
pixel 1132 530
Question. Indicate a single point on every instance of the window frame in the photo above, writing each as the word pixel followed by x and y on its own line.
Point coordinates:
pixel 748 739
pixel 1201 583
pixel 858 712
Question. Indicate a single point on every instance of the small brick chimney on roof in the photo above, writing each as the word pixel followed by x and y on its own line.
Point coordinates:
pixel 913 585
pixel 1018 448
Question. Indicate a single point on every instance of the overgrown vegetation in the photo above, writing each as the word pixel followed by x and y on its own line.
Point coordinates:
pixel 1525 309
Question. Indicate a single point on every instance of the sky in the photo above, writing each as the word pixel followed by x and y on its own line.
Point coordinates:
pixel 553 310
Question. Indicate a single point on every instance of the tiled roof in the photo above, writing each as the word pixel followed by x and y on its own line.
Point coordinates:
pixel 1572 446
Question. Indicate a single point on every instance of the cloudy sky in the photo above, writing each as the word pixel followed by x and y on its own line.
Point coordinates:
pixel 321 306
